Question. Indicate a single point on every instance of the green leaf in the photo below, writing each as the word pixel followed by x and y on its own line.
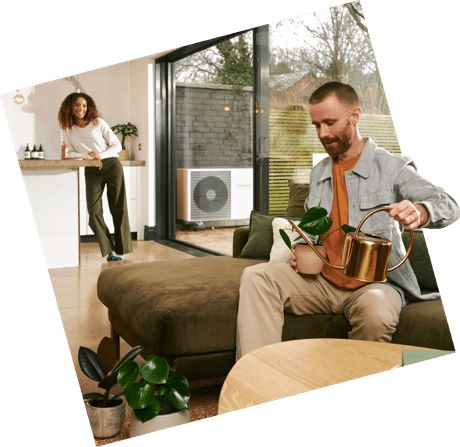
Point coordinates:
pixel 127 374
pixel 155 369
pixel 161 390
pixel 177 378
pixel 286 239
pixel 90 365
pixel 139 395
pixel 149 412
pixel 131 355
pixel 109 382
pixel 315 221
pixel 107 354
pixel 348 229
pixel 179 395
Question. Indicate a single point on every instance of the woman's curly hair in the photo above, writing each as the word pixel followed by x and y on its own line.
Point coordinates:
pixel 65 115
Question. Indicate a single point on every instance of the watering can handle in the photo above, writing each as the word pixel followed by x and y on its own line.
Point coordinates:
pixel 387 209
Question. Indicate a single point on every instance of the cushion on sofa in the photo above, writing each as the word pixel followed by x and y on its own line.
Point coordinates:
pixel 260 240
pixel 280 251
pixel 298 192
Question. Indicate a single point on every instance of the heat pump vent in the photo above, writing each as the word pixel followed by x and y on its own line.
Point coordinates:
pixel 211 195
pixel 214 194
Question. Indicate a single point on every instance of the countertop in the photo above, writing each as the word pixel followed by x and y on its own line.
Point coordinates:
pixel 66 164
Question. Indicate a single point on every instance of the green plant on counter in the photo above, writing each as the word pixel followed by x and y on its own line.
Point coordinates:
pixel 97 366
pixel 126 130
pixel 156 389
pixel 315 222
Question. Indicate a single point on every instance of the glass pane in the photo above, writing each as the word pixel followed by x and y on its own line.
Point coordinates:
pixel 213 143
pixel 305 52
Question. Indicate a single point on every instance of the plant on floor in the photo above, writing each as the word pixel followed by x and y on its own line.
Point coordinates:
pixel 126 130
pixel 315 222
pixel 97 367
pixel 157 388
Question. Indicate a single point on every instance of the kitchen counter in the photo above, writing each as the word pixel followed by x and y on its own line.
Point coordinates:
pixel 69 164
pixel 53 189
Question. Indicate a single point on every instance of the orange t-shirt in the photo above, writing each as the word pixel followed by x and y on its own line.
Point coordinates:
pixel 339 216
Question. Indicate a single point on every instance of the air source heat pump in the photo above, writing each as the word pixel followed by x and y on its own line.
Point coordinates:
pixel 214 194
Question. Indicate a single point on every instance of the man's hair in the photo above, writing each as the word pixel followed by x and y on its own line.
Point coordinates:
pixel 65 114
pixel 345 92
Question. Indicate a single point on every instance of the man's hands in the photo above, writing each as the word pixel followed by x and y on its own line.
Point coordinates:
pixel 408 214
pixel 294 259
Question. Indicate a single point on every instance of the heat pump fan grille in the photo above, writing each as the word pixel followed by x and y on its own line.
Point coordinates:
pixel 211 195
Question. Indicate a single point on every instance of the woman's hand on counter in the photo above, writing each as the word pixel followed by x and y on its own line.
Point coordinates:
pixel 97 156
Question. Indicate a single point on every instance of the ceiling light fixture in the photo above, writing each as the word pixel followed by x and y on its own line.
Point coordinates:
pixel 18 98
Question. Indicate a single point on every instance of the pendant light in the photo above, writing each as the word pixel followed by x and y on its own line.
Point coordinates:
pixel 18 98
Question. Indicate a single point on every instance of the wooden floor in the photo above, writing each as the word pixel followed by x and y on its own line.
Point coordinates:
pixel 83 316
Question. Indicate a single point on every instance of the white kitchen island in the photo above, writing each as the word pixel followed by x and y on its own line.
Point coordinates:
pixel 54 195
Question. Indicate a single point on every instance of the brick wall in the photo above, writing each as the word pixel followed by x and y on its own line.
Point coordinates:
pixel 200 136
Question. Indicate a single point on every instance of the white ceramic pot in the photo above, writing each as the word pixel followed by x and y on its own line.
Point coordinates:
pixel 159 422
pixel 308 262
pixel 106 422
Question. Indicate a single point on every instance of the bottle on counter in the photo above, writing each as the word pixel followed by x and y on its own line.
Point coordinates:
pixel 63 150
pixel 34 153
pixel 27 153
pixel 41 153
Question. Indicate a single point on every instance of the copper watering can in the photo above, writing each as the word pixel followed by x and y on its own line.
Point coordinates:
pixel 365 256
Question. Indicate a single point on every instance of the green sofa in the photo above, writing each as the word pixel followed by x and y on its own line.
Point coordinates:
pixel 186 310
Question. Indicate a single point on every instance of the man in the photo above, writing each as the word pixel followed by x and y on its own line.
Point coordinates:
pixel 357 177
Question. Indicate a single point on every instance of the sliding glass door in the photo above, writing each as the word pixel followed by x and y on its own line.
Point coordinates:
pixel 212 143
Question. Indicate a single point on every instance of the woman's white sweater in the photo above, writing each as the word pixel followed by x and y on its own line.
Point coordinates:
pixel 98 138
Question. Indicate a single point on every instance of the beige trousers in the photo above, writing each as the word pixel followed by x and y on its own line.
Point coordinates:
pixel 268 290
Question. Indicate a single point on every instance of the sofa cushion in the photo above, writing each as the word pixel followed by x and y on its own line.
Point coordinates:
pixel 180 307
pixel 260 240
pixel 280 252
pixel 298 192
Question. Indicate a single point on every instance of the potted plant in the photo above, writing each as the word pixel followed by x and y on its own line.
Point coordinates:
pixel 315 222
pixel 159 399
pixel 106 412
pixel 126 130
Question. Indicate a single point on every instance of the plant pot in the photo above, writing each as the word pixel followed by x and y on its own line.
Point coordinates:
pixel 106 421
pixel 159 422
pixel 123 154
pixel 308 262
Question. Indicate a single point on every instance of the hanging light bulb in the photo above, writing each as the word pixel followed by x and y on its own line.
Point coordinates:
pixel 18 98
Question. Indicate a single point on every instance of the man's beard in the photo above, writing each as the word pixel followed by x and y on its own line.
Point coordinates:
pixel 343 143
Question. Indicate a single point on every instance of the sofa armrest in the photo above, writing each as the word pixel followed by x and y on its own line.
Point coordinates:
pixel 240 237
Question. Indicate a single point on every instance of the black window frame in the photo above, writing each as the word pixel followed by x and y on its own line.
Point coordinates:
pixel 165 166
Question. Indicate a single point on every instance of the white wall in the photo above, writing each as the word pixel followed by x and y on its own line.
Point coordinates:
pixel 122 93
pixel 35 121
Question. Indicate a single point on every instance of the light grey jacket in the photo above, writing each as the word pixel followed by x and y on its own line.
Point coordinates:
pixel 380 179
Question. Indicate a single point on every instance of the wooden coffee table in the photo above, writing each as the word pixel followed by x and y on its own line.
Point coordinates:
pixel 293 367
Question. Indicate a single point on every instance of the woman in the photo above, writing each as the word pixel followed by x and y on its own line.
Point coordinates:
pixel 87 135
